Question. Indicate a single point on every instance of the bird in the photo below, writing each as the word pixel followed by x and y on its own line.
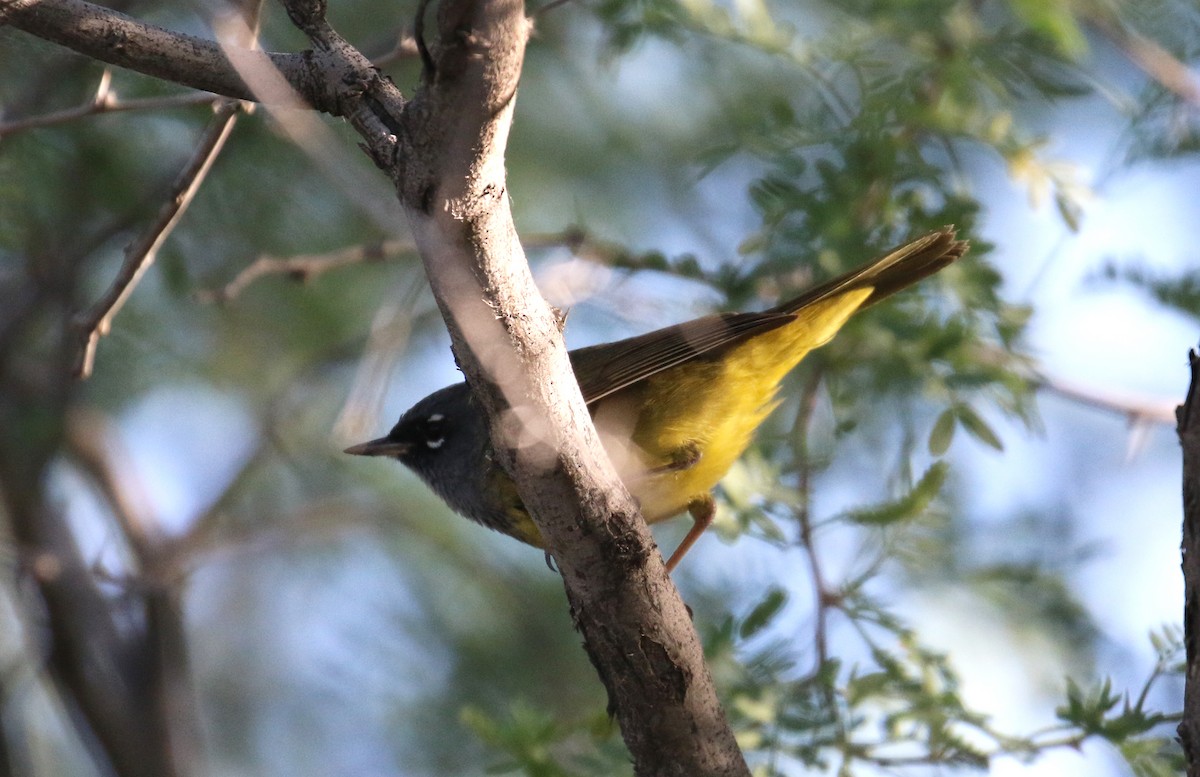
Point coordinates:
pixel 675 408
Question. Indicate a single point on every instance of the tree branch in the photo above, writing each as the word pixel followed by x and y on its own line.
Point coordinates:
pixel 117 39
pixel 160 645
pixel 96 667
pixel 821 591
pixel 450 178
pixel 1188 428
pixel 305 267
pixel 139 255
pixel 1151 58
pixel 88 437
pixel 1139 410
pixel 106 101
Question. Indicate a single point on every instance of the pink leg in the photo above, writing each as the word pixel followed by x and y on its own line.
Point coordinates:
pixel 703 510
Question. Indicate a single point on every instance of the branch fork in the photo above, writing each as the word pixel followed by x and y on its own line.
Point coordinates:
pixel 444 152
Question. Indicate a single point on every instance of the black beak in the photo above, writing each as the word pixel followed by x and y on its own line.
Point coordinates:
pixel 380 447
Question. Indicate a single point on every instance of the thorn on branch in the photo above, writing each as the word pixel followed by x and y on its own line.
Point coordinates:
pixel 560 318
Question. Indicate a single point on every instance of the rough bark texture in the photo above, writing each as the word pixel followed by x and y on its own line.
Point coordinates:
pixel 444 151
pixel 1188 416
pixel 117 39
pixel 451 183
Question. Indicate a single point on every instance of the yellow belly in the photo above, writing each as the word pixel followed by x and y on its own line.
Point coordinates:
pixel 686 418
pixel 709 407
pixel 712 408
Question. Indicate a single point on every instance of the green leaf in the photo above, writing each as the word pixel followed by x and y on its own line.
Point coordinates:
pixel 867 686
pixel 753 244
pixel 1153 757
pixel 1053 20
pixel 909 505
pixel 977 427
pixel 1069 209
pixel 943 432
pixel 1088 711
pixel 763 613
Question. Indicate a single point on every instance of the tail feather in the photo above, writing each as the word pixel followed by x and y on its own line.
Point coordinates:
pixel 890 273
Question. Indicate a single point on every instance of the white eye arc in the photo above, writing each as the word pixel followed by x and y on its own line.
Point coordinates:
pixel 434 426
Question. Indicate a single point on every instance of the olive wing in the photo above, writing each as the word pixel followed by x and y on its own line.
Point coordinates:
pixel 605 369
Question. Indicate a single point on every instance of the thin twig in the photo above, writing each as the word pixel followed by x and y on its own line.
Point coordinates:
pixel 389 335
pixel 292 119
pixel 89 440
pixel 1153 60
pixel 96 322
pixel 305 267
pixel 1142 412
pixel 808 403
pixel 204 531
pixel 106 101
pixel 429 69
pixel 1139 410
pixel 405 48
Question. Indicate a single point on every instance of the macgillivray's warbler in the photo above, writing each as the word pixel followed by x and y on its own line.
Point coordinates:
pixel 674 408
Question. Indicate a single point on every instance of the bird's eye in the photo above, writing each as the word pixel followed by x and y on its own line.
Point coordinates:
pixel 434 435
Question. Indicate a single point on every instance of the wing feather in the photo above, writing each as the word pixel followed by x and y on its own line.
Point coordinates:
pixel 605 369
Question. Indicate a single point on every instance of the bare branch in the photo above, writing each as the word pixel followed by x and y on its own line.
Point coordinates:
pixel 821 590
pixel 1138 409
pixel 119 40
pixel 305 267
pixel 204 533
pixel 365 97
pixel 106 101
pixel 94 663
pixel 405 48
pixel 162 643
pixel 333 77
pixel 1188 430
pixel 139 255
pixel 1153 60
pixel 89 439
pixel 390 331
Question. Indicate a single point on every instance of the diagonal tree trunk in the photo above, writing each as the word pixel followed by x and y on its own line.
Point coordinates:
pixel 444 152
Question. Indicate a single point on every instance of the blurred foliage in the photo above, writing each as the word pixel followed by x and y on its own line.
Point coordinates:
pixel 346 623
pixel 1179 292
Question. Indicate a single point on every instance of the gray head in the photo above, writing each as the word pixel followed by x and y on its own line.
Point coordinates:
pixel 444 440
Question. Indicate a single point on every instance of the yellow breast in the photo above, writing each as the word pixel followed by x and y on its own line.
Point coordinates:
pixel 707 409
pixel 711 407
